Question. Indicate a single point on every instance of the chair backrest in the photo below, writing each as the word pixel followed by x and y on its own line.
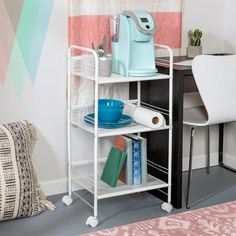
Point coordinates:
pixel 215 77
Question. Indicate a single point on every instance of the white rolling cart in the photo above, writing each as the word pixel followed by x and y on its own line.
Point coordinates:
pixel 87 174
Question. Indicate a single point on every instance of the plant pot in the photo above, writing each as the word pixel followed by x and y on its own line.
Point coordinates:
pixel 193 51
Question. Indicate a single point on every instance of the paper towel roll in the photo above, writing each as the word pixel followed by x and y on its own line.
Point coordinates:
pixel 129 109
pixel 145 116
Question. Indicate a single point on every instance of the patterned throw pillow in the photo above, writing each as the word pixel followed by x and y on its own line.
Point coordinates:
pixel 20 193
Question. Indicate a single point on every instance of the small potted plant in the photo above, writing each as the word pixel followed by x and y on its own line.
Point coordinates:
pixel 194 47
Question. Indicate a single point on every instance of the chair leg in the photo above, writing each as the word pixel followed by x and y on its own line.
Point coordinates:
pixel 208 150
pixel 190 169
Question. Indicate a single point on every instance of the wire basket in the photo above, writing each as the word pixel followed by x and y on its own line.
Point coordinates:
pixel 85 66
pixel 83 63
pixel 78 113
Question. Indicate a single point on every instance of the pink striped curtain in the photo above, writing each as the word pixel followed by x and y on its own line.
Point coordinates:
pixel 89 21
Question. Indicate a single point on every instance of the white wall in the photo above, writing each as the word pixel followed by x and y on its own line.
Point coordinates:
pixel 229 26
pixel 230 47
pixel 207 15
pixel 44 103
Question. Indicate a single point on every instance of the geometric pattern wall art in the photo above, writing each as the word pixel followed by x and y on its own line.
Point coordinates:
pixel 23 28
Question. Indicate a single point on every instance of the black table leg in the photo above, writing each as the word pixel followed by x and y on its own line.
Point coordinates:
pixel 177 140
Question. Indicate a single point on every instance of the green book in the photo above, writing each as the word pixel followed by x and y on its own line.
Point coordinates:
pixel 113 166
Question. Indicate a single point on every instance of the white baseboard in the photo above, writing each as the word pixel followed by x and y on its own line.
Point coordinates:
pixel 230 160
pixel 57 186
pixel 60 185
pixel 54 186
pixel 200 161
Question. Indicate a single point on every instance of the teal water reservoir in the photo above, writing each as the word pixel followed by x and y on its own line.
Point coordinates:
pixel 133 52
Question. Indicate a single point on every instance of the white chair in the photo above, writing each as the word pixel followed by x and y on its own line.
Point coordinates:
pixel 215 77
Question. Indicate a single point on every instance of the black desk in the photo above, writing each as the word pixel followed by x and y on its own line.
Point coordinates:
pixel 155 93
pixel 182 82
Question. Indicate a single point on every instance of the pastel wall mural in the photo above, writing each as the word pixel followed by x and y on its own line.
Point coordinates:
pixel 23 28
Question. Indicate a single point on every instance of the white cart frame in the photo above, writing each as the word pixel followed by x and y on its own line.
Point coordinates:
pixel 99 133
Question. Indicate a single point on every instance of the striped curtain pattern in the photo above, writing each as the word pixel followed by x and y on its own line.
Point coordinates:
pixel 89 21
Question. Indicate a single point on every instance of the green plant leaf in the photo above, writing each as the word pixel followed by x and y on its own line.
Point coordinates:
pixel 192 42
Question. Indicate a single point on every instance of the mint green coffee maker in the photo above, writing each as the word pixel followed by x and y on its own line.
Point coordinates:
pixel 133 52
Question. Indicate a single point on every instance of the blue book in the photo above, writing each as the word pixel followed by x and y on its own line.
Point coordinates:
pixel 143 156
pixel 136 145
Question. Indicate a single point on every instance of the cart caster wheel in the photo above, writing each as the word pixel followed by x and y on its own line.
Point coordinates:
pixel 92 221
pixel 167 207
pixel 67 200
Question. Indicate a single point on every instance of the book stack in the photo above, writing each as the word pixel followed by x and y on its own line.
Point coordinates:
pixel 129 163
